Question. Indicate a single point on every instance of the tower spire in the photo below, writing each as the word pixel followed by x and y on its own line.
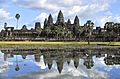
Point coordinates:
pixel 60 18
pixel 50 19
pixel 76 21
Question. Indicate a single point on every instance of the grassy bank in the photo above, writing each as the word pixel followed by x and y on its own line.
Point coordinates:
pixel 55 43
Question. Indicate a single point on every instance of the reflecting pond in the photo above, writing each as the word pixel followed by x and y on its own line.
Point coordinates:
pixel 58 63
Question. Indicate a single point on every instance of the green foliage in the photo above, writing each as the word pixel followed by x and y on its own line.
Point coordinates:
pixel 17 16
pixel 47 30
pixel 69 35
pixel 59 30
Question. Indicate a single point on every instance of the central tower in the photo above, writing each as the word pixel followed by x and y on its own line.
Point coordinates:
pixel 60 18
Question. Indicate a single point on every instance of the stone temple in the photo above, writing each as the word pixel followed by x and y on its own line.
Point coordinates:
pixel 63 31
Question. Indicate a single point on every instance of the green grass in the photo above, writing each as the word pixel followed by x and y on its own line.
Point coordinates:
pixel 54 43
pixel 106 43
pixel 29 42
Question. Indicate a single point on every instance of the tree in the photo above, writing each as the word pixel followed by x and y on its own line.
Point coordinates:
pixel 56 29
pixel 47 31
pixel 117 30
pixel 89 28
pixel 69 35
pixel 62 31
pixel 59 31
pixel 110 27
pixel 17 17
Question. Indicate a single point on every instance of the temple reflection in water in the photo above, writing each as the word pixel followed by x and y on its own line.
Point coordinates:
pixel 111 56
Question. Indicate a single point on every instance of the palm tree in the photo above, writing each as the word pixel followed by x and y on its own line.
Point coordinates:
pixel 17 17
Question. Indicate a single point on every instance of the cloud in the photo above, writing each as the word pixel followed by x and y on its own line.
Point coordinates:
pixel 82 7
pixel 108 18
pixel 4 15
pixel 41 17
pixel 111 18
pixel 85 9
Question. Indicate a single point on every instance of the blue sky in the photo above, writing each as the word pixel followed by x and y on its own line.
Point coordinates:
pixel 31 11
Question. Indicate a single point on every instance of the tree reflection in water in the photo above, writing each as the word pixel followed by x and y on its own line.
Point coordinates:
pixel 111 56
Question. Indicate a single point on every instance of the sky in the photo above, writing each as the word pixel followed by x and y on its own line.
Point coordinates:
pixel 31 11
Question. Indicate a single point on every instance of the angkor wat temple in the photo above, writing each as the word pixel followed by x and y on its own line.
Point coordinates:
pixel 63 31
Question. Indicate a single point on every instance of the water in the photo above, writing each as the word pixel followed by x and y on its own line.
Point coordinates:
pixel 60 63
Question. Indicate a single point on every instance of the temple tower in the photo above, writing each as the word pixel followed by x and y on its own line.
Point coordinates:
pixel 60 18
